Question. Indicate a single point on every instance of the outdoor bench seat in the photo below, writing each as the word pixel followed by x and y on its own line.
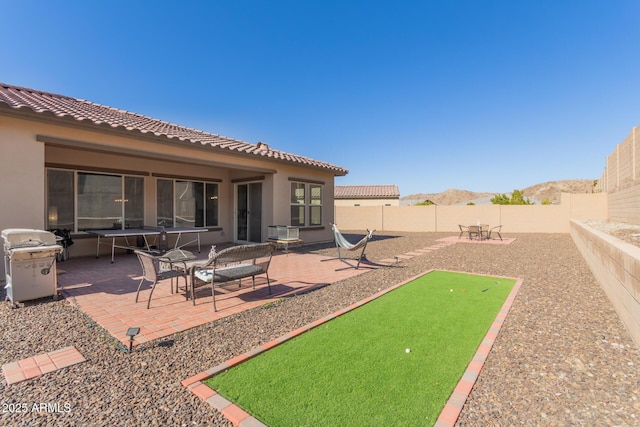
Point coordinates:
pixel 227 274
pixel 234 263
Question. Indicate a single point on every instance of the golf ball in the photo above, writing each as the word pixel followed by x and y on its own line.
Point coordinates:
pixel 408 350
pixel 451 290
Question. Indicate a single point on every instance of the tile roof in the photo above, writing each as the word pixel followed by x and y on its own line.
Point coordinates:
pixel 63 107
pixel 366 191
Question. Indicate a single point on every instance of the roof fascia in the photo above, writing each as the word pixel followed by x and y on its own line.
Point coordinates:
pixel 88 146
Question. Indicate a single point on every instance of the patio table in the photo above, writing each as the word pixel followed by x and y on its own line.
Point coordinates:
pixel 178 260
pixel 154 232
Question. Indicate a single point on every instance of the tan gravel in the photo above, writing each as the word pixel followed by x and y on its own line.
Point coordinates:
pixel 562 357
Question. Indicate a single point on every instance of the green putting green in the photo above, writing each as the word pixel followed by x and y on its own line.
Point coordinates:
pixel 393 361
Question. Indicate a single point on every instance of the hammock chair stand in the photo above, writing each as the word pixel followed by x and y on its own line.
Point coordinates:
pixel 343 243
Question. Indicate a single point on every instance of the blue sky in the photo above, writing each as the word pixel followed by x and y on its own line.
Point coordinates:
pixel 429 95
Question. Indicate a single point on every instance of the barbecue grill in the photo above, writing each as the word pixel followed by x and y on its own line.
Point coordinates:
pixel 30 264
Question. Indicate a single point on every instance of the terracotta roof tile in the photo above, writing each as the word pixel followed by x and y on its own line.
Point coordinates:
pixel 366 191
pixel 60 106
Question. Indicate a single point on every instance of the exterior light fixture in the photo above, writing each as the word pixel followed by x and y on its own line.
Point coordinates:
pixel 132 332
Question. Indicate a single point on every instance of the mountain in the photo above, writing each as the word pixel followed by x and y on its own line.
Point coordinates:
pixel 552 189
pixel 536 193
pixel 451 196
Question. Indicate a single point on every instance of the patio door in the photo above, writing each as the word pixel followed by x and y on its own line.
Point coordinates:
pixel 249 212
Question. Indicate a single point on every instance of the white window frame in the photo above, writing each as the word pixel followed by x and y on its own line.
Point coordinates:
pixel 50 214
pixel 308 202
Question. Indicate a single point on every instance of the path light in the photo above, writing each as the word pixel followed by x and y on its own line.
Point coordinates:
pixel 132 332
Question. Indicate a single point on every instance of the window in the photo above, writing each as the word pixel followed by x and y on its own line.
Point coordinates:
pixel 315 204
pixel 81 201
pixel 306 204
pixel 60 199
pixel 187 203
pixel 297 203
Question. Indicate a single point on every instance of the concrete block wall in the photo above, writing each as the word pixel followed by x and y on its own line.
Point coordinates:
pixel 621 180
pixel 616 266
pixel 514 219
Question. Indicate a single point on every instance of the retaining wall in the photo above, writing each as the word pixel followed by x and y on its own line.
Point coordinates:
pixel 616 266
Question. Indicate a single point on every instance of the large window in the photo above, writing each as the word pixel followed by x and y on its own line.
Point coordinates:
pixel 60 199
pixel 187 203
pixel 306 204
pixel 81 201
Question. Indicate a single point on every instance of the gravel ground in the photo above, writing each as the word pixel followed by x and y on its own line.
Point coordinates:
pixel 562 357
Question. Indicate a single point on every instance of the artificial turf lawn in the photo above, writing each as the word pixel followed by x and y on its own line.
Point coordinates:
pixel 354 370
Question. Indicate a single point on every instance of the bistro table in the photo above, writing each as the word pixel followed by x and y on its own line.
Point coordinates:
pixel 179 260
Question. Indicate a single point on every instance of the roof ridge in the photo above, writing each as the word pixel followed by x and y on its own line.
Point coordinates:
pixel 39 92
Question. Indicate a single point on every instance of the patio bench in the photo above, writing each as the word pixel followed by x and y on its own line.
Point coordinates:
pixel 234 263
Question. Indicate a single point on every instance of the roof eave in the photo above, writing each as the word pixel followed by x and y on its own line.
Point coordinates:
pixel 27 113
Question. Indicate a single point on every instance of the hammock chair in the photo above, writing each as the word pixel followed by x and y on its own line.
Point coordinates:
pixel 343 243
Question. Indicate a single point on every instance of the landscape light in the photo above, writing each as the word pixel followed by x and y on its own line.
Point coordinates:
pixel 132 332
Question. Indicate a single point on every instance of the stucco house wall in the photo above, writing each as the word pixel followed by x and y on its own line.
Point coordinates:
pixel 32 142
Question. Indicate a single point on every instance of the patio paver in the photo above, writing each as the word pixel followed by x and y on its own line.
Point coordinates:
pixel 106 292
pixel 34 366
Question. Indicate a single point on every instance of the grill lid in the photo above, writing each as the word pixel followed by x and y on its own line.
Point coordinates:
pixel 34 253
pixel 26 237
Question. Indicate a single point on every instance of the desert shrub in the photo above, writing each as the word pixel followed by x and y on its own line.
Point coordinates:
pixel 517 198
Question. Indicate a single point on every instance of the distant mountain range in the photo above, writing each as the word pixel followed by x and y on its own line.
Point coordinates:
pixel 536 193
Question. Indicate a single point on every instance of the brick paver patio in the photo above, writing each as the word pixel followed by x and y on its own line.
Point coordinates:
pixel 106 292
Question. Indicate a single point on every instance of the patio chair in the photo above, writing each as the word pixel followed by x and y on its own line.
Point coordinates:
pixel 463 229
pixel 475 231
pixel 153 271
pixel 495 229
pixel 343 243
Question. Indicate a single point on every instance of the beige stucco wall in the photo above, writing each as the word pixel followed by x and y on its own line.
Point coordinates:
pixel 22 173
pixel 282 201
pixel 616 266
pixel 515 219
pixel 31 145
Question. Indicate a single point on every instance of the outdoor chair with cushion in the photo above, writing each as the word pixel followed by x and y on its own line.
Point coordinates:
pixel 496 230
pixel 155 269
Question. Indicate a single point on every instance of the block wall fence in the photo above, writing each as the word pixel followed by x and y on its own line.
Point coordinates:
pixel 514 219
pixel 621 180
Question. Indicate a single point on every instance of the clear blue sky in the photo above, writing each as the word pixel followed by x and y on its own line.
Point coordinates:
pixel 429 95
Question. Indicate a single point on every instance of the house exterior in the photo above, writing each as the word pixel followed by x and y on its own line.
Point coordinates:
pixel 367 195
pixel 72 164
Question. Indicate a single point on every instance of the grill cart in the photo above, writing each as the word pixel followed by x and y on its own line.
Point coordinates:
pixel 30 264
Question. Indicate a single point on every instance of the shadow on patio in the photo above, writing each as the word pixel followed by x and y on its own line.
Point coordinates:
pixel 106 292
